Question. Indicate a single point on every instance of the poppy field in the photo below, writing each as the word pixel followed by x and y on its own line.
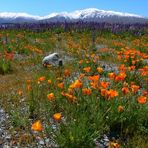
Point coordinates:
pixel 101 89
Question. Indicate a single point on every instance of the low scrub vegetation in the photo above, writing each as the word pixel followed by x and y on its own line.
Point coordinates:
pixel 97 91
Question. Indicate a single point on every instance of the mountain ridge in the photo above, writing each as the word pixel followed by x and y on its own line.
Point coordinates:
pixel 90 14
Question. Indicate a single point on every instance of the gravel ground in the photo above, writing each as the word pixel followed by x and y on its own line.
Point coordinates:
pixel 4 136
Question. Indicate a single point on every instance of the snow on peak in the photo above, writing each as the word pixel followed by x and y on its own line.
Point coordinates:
pixel 90 12
pixel 94 11
pixel 16 15
pixel 78 14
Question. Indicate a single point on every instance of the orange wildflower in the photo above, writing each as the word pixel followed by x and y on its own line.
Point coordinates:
pixel 37 126
pixel 94 78
pixel 57 117
pixel 87 69
pixel 9 56
pixel 93 85
pixel 67 73
pixel 142 99
pixel 131 68
pixel 100 69
pixel 81 76
pixel 92 55
pixel 49 81
pixel 111 75
pixel 86 91
pixel 61 85
pixel 70 97
pixel 103 92
pixel 29 87
pixel 114 145
pixel 51 96
pixel 120 108
pixel 28 81
pixel 112 93
pixel 122 68
pixel 81 61
pixel 76 84
pixel 70 91
pixel 135 88
pixel 20 92
pixel 120 77
pixel 104 84
pixel 144 92
pixel 41 79
pixel 133 62
pixel 125 90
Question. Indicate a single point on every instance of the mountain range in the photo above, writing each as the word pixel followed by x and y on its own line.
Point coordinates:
pixel 86 15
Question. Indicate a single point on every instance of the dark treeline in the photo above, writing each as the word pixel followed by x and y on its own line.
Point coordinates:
pixel 78 26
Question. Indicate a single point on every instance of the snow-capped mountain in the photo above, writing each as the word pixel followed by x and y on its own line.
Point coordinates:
pixel 95 15
pixel 8 17
pixel 86 15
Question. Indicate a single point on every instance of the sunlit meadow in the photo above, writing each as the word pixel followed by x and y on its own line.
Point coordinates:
pixel 101 88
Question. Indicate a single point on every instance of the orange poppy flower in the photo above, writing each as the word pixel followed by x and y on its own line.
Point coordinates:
pixel 81 75
pixel 112 93
pixel 94 78
pixel 100 70
pixel 76 84
pixel 61 85
pixel 133 62
pixel 86 91
pixel 92 55
pixel 49 81
pixel 94 85
pixel 114 145
pixel 9 56
pixel 125 90
pixel 122 68
pixel 70 91
pixel 67 73
pixel 120 77
pixel 57 117
pixel 103 92
pixel 111 75
pixel 87 69
pixel 70 97
pixel 142 99
pixel 135 88
pixel 41 79
pixel 51 96
pixel 28 81
pixel 104 84
pixel 144 92
pixel 20 92
pixel 81 61
pixel 131 68
pixel 37 126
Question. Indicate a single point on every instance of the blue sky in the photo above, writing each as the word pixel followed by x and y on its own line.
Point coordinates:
pixel 44 7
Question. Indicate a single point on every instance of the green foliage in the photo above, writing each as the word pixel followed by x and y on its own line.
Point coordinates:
pixel 90 116
pixel 5 66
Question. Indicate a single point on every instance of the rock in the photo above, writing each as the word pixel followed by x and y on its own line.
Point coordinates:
pixel 52 59
pixel 1 141
pixel 41 142
pixel 6 146
pixel 102 142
